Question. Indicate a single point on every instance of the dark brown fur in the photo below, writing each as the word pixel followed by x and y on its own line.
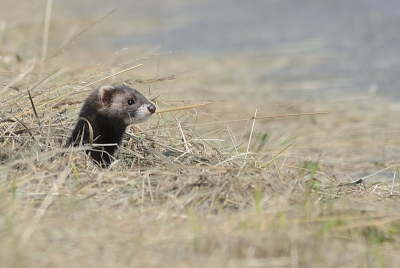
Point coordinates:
pixel 108 110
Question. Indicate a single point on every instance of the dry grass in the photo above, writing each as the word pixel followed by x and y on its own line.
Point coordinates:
pixel 195 187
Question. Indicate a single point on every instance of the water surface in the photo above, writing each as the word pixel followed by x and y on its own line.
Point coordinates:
pixel 352 45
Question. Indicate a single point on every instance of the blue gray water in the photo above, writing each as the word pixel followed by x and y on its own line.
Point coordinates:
pixel 353 40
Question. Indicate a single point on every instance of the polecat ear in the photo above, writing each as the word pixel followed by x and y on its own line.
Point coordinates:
pixel 105 94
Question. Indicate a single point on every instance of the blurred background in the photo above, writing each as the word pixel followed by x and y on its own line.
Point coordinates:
pixel 319 46
pixel 277 56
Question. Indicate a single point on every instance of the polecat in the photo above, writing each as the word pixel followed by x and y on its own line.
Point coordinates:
pixel 104 117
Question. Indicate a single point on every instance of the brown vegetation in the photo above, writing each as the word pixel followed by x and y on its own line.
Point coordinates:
pixel 206 186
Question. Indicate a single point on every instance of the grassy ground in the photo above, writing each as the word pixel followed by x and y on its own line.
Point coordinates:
pixel 204 187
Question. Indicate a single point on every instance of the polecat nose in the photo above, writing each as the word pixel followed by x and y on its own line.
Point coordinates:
pixel 151 108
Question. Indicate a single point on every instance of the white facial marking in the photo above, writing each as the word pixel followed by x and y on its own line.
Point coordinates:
pixel 142 114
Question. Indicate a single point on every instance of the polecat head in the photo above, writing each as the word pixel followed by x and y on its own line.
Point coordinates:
pixel 123 102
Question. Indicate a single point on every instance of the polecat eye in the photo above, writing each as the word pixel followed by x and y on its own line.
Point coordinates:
pixel 130 102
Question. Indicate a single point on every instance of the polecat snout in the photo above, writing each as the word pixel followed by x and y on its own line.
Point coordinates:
pixel 106 113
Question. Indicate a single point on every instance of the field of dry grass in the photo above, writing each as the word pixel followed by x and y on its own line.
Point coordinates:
pixel 200 187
